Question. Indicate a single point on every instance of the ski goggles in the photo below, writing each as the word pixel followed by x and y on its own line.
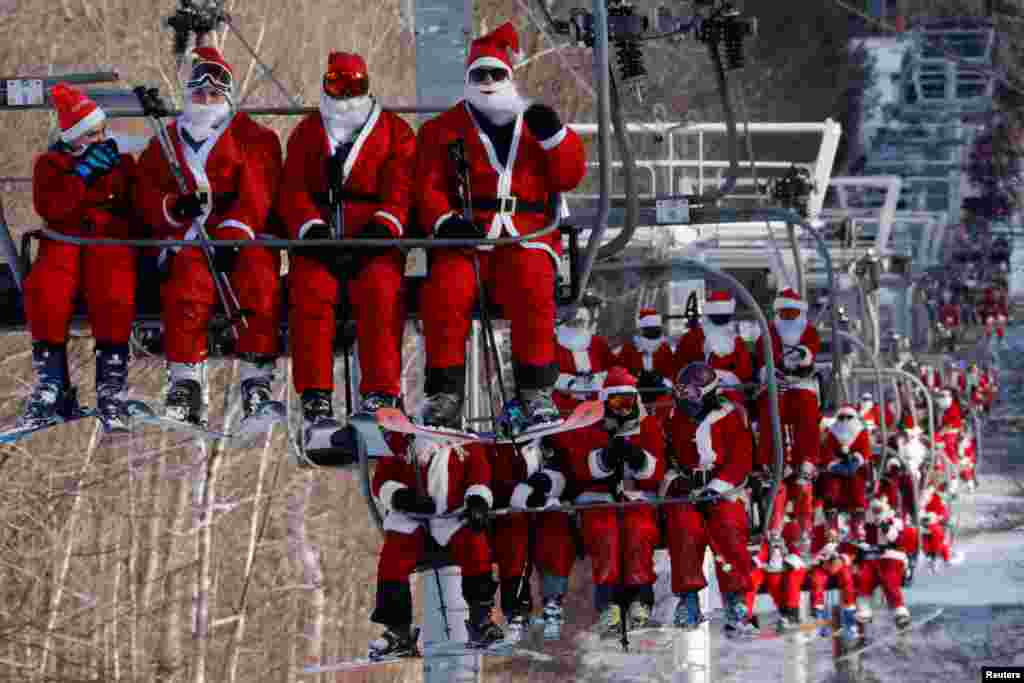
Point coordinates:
pixel 346 84
pixel 481 73
pixel 622 404
pixel 212 75
pixel 789 313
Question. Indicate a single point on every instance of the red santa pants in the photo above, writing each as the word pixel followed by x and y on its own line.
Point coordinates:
pixel 886 573
pixel 378 307
pixel 402 552
pixel 106 277
pixel 820 574
pixel 726 528
pixel 847 494
pixel 935 542
pixel 756 579
pixel 802 495
pixel 784 587
pixel 189 295
pixel 798 409
pixel 603 537
pixel 556 549
pixel 521 281
pixel 511 544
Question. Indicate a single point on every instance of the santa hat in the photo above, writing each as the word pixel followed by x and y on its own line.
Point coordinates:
pixel 788 298
pixel 76 113
pixel 618 381
pixel 720 302
pixel 346 62
pixel 498 49
pixel 867 397
pixel 847 411
pixel 209 55
pixel 648 317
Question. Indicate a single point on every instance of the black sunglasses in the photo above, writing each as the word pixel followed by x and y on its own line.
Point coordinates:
pixel 480 74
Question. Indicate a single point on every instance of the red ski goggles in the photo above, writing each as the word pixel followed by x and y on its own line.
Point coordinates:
pixel 346 84
pixel 622 404
pixel 789 313
pixel 210 74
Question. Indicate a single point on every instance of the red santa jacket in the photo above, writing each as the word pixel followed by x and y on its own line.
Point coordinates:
pixel 952 418
pixel 533 171
pixel 810 339
pixel 930 377
pixel 582 450
pixel 935 510
pixel 733 364
pixel 870 417
pixel 898 489
pixel 377 175
pixel 721 445
pixel 70 207
pixel 445 473
pixel 574 364
pixel 950 315
pixel 225 163
pixel 891 539
pixel 653 355
pixel 264 149
pixel 511 467
pixel 792 559
pixel 856 445
pixel 826 544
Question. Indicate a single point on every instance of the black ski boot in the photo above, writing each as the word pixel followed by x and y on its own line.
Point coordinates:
pixel 318 423
pixel 540 408
pixel 376 400
pixel 483 632
pixel 53 399
pixel 111 381
pixel 397 641
pixel 443 410
pixel 184 402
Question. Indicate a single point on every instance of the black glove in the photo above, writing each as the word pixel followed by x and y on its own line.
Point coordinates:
pixel 457 227
pixel 631 454
pixel 338 261
pixel 709 497
pixel 374 230
pixel 98 160
pixel 187 207
pixel 611 457
pixel 476 513
pixel 540 482
pixel 406 500
pixel 225 259
pixel 542 121
pixel 679 487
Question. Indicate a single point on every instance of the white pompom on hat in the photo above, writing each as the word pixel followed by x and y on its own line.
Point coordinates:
pixel 720 302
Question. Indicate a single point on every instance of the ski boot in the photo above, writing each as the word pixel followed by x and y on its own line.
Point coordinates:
pixel 821 619
pixel 736 623
pixel 483 632
pixel 184 402
pixel 111 379
pixel 848 623
pixel 318 424
pixel 397 641
pixel 789 619
pixel 259 409
pixel 53 399
pixel 864 612
pixel 610 622
pixel 517 626
pixel 376 400
pixel 688 615
pixel 553 618
pixel 639 616
pixel 540 408
pixel 901 615
pixel 443 410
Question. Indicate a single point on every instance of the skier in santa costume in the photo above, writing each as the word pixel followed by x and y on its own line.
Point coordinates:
pixel 846 456
pixel 883 565
pixel 228 195
pixel 583 360
pixel 622 458
pixel 427 477
pixel 82 187
pixel 518 154
pixel 369 154
pixel 785 573
pixel 795 345
pixel 648 356
pixel 710 446
pixel 831 557
pixel 716 342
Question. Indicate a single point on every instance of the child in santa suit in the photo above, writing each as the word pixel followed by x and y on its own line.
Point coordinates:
pixel 82 186
pixel 228 196
pixel 883 563
pixel 717 342
pixel 648 356
pixel 428 477
pixel 621 458
pixel 584 359
pixel 518 154
pixel 785 573
pixel 831 557
pixel 352 146
pixel 847 455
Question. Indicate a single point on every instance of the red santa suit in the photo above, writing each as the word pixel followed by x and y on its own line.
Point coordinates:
pixel 830 558
pixel 758 558
pixel 846 456
pixel 795 345
pixel 584 451
pixel 952 424
pixel 105 275
pixel 583 362
pixel 933 521
pixel 720 346
pixel 869 415
pixel 232 169
pixel 949 315
pixel 717 454
pixel 883 566
pixel 968 457
pixel 930 377
pixel 509 194
pixel 377 180
pixel 785 581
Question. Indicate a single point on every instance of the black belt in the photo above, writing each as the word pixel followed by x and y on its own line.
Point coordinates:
pixel 508 205
pixel 346 196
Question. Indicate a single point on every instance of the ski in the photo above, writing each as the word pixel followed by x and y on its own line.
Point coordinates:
pixel 502 648
pixel 359 664
pixel 17 433
pixel 883 638
pixel 146 415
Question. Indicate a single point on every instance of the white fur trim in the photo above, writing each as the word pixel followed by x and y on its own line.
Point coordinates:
pixel 84 125
pixel 387 490
pixel 649 321
pixel 563 381
pixel 581 359
pixel 781 303
pixel 532 456
pixel 168 216
pixel 705 445
pixel 483 491
pixel 894 555
pixel 390 218
pixel 647 471
pixel 608 391
pixel 519 495
pixel 720 485
pixel 726 378
pixel 794 561
pixel 557 483
pixel 231 223
pixel 555 140
pixel 597 469
pixel 488 61
pixel 441 219
pixel 720 307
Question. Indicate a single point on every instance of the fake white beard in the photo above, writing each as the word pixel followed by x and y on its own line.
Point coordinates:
pixel 574 338
pixel 718 339
pixel 645 345
pixel 913 453
pixel 945 403
pixel 501 102
pixel 200 120
pixel 344 117
pixel 791 330
pixel 846 432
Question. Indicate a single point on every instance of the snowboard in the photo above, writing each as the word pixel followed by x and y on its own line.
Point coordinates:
pixel 869 643
pixel 585 414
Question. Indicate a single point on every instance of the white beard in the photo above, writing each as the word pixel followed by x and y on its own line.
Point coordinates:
pixel 501 102
pixel 718 339
pixel 645 345
pixel 945 403
pixel 913 453
pixel 846 432
pixel 200 120
pixel 574 338
pixel 790 331
pixel 342 118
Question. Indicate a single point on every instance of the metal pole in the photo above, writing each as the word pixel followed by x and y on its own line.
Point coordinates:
pixel 8 248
